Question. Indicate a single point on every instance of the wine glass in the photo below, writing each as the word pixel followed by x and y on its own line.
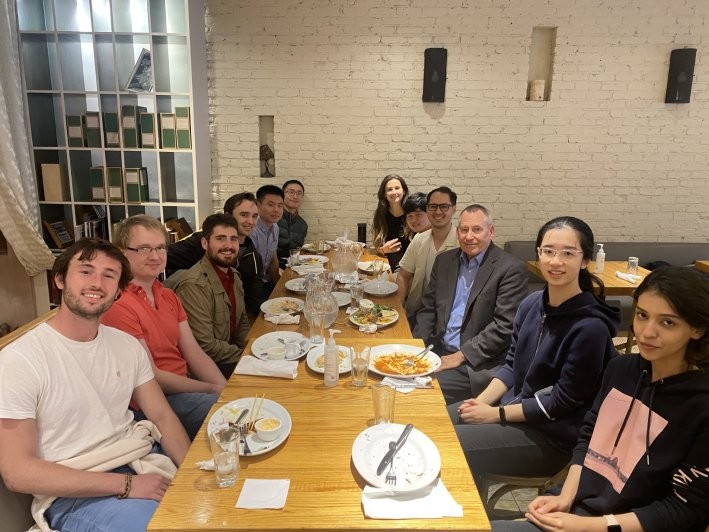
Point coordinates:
pixel 377 268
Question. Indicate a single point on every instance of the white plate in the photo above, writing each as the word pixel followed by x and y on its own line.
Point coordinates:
pixel 282 305
pixel 296 285
pixel 388 349
pixel 342 298
pixel 381 288
pixel 316 352
pixel 311 247
pixel 230 411
pixel 416 465
pixel 366 266
pixel 380 322
pixel 313 260
pixel 263 342
pixel 305 270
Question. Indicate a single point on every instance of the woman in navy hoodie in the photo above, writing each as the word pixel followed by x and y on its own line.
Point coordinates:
pixel 642 459
pixel 526 422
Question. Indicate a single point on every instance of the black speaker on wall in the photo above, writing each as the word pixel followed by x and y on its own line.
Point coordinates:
pixel 434 74
pixel 679 79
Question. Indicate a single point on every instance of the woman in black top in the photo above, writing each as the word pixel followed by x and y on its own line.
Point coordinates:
pixel 390 220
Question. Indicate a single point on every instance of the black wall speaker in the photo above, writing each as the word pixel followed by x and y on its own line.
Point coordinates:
pixel 679 79
pixel 434 74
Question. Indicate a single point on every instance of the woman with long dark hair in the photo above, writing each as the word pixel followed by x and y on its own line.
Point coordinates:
pixel 526 422
pixel 641 462
pixel 389 219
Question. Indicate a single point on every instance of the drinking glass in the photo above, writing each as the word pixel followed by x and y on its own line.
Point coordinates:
pixel 294 259
pixel 383 398
pixel 632 267
pixel 224 442
pixel 377 268
pixel 359 361
pixel 356 293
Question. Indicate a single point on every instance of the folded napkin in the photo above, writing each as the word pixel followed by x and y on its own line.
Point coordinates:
pixel 631 278
pixel 305 269
pixel 281 319
pixel 284 369
pixel 408 385
pixel 430 502
pixel 206 465
pixel 263 494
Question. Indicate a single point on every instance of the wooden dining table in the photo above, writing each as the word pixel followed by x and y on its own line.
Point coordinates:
pixel 615 286
pixel 325 488
pixel 702 265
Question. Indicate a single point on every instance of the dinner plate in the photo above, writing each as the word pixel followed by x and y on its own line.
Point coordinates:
pixel 383 321
pixel 263 342
pixel 388 349
pixel 380 288
pixel 305 269
pixel 313 260
pixel 316 362
pixel 310 247
pixel 342 298
pixel 366 266
pixel 282 305
pixel 230 411
pixel 416 465
pixel 296 285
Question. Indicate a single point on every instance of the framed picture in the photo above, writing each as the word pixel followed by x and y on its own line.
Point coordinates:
pixel 60 233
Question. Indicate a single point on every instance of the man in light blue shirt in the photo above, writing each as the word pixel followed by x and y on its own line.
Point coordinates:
pixel 269 199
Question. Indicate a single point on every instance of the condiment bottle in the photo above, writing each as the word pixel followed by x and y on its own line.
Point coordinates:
pixel 600 259
pixel 332 360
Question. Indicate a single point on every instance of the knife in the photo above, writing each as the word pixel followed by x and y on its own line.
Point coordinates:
pixel 389 456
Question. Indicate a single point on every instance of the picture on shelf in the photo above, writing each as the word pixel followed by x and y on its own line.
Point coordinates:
pixel 60 233
pixel 141 78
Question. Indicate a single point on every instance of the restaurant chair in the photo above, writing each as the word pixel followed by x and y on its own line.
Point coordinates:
pixel 512 483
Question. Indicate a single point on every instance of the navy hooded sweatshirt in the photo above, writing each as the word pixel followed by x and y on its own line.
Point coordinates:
pixel 644 447
pixel 556 361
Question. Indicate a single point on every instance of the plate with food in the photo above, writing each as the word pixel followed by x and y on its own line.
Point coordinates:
pixel 316 359
pixel 313 260
pixel 417 463
pixel 277 339
pixel 380 288
pixel 277 417
pixel 395 360
pixel 379 315
pixel 312 247
pixel 366 266
pixel 282 305
pixel 296 285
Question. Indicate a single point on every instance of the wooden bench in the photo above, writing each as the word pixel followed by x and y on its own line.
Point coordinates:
pixel 15 507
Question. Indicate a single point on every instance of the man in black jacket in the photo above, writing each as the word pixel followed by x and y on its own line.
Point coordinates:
pixel 187 252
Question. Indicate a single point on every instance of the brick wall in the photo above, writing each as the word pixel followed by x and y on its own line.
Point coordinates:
pixel 343 80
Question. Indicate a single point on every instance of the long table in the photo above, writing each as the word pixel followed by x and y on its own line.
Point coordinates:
pixel 702 265
pixel 400 329
pixel 325 489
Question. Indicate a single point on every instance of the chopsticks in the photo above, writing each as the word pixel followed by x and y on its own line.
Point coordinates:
pixel 255 411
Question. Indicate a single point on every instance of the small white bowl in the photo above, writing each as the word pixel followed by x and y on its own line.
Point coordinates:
pixel 268 428
pixel 276 353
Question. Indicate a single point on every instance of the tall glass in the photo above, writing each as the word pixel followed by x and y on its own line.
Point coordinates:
pixel 224 442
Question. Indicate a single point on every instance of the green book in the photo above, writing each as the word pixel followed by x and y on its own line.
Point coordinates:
pixel 147 130
pixel 98 183
pixel 75 131
pixel 115 184
pixel 167 130
pixel 182 128
pixel 136 185
pixel 110 128
pixel 92 124
pixel 130 129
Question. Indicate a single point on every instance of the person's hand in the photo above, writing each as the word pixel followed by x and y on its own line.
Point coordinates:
pixel 475 413
pixel 562 521
pixel 391 246
pixel 549 503
pixel 451 361
pixel 148 486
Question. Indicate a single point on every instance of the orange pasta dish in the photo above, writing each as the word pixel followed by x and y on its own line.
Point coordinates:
pixel 400 364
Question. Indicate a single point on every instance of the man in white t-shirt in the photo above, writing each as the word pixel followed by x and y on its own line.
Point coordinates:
pixel 66 432
pixel 416 264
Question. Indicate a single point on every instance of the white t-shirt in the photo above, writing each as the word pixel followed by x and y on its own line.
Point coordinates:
pixel 78 392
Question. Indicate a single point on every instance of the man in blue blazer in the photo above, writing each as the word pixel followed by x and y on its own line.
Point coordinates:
pixel 469 305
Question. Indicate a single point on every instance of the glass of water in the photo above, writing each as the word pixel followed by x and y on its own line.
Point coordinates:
pixel 359 360
pixel 224 442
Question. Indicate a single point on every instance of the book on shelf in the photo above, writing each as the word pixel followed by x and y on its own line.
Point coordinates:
pixel 130 128
pixel 115 184
pixel 55 182
pixel 59 232
pixel 182 128
pixel 147 130
pixel 136 185
pixel 167 130
pixel 97 177
pixel 92 123
pixel 141 77
pixel 75 131
pixel 110 128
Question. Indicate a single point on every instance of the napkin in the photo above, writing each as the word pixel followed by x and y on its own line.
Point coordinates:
pixel 262 493
pixel 284 369
pixel 305 269
pixel 408 385
pixel 281 319
pixel 206 465
pixel 632 279
pixel 430 502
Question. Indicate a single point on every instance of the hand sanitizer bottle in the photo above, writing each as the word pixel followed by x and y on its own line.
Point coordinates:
pixel 600 259
pixel 332 360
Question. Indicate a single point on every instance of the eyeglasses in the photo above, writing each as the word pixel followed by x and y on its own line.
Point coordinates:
pixel 146 250
pixel 296 193
pixel 563 254
pixel 443 207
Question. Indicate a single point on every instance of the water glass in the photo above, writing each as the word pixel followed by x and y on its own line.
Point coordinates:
pixel 356 293
pixel 632 267
pixel 377 269
pixel 383 398
pixel 294 259
pixel 224 442
pixel 292 347
pixel 359 361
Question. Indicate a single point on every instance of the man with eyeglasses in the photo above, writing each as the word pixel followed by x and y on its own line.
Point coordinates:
pixel 292 228
pixel 154 315
pixel 416 264
pixel 468 306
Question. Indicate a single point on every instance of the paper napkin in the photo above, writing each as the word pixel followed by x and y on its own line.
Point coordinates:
pixel 281 319
pixel 305 269
pixel 206 465
pixel 431 502
pixel 284 369
pixel 263 494
pixel 407 385
pixel 632 279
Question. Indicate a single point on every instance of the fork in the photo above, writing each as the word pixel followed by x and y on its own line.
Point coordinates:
pixel 391 476
pixel 244 431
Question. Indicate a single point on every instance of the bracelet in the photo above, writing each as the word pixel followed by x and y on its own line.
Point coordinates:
pixel 126 490
pixel 503 418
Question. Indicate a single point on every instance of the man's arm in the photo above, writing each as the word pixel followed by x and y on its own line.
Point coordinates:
pixel 153 404
pixel 403 281
pixel 22 471
pixel 199 363
pixel 426 315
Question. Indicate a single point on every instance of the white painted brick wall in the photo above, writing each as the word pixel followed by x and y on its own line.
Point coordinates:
pixel 343 80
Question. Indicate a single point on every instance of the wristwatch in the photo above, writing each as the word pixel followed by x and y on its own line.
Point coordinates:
pixel 612 523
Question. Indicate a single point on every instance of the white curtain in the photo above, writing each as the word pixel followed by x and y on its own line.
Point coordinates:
pixel 19 210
